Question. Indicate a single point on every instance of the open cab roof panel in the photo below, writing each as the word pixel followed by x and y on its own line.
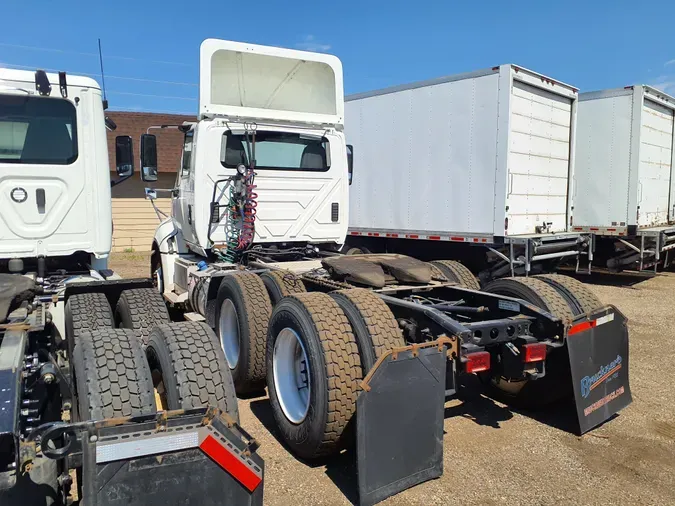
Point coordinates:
pixel 248 81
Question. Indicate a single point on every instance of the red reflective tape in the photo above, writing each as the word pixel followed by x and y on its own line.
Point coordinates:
pixel 228 461
pixel 581 327
pixel 435 237
pixel 483 240
pixel 475 239
pixel 413 236
pixel 578 229
pixel 461 239
pixel 355 233
pixel 611 230
pixel 595 229
pixel 392 235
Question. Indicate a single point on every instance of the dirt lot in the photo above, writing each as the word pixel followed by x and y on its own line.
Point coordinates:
pixel 494 455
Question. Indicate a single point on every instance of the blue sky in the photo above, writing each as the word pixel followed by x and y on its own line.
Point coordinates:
pixel 592 45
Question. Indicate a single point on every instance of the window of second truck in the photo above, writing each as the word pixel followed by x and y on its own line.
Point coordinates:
pixel 37 130
pixel 277 151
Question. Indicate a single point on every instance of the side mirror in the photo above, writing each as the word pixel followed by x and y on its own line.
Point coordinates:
pixel 124 155
pixel 148 158
pixel 350 162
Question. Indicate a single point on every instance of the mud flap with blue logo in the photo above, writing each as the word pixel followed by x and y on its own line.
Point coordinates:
pixel 598 354
pixel 400 415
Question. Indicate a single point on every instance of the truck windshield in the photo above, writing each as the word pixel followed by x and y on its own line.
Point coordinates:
pixel 37 130
pixel 277 150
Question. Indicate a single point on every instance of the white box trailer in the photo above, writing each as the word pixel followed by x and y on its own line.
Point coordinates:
pixel 484 157
pixel 624 184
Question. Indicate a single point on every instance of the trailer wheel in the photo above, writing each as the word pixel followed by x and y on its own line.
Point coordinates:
pixel 313 373
pixel 112 375
pixel 243 313
pixel 86 312
pixel 577 295
pixel 457 272
pixel 188 362
pixel 280 284
pixel 373 323
pixel 555 384
pixel 354 251
pixel 141 309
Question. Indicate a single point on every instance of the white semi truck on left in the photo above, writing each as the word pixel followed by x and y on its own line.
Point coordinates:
pixel 89 380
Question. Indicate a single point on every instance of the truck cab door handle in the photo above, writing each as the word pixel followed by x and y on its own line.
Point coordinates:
pixel 40 200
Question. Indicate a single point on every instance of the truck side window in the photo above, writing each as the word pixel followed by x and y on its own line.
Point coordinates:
pixel 187 155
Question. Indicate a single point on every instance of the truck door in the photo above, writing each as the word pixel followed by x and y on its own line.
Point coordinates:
pixel 183 204
pixel 656 158
pixel 44 208
pixel 539 160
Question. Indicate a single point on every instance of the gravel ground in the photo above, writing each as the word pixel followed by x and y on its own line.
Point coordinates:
pixel 494 455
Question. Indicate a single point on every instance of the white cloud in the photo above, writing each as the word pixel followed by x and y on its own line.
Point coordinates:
pixel 669 62
pixel 665 83
pixel 309 43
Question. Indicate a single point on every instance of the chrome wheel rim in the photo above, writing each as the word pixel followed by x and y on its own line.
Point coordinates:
pixel 291 375
pixel 228 330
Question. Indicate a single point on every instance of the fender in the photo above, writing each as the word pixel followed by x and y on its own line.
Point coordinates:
pixel 167 245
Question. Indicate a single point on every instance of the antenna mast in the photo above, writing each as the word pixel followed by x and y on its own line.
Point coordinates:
pixel 100 59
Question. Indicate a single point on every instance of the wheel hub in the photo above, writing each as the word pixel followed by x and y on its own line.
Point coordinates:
pixel 291 375
pixel 228 331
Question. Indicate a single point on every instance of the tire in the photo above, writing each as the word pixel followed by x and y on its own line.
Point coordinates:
pixel 280 284
pixel 141 309
pixel 333 366
pixel 86 312
pixel 190 362
pixel 458 273
pixel 578 296
pixel 354 251
pixel 243 296
pixel 112 375
pixel 535 291
pixel 372 322
pixel 556 384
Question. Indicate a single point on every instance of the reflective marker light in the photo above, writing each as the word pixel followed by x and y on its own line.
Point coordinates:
pixel 228 461
pixel 535 352
pixel 477 362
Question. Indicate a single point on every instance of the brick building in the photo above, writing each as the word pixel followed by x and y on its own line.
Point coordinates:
pixel 134 219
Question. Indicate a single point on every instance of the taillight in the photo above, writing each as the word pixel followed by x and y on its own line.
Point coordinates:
pixel 535 352
pixel 477 362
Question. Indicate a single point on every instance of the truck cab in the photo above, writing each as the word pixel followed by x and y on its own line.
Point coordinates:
pixel 279 112
pixel 54 176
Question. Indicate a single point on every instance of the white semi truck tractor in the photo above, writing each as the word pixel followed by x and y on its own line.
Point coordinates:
pixel 94 405
pixel 355 350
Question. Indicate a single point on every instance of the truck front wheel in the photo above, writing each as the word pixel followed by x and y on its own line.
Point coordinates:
pixel 313 372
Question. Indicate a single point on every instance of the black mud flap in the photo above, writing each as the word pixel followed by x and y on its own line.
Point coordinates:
pixel 598 354
pixel 187 463
pixel 400 415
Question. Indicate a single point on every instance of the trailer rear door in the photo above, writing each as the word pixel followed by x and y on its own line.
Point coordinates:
pixel 656 157
pixel 539 159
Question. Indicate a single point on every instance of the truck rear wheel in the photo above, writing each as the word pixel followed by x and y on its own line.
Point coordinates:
pixel 578 296
pixel 86 312
pixel 556 384
pixel 373 323
pixel 243 313
pixel 457 272
pixel 112 375
pixel 280 284
pixel 186 358
pixel 141 309
pixel 313 373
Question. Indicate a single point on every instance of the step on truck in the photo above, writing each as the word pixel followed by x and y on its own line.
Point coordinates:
pixel 344 342
pixel 474 167
pixel 103 401
pixel 625 177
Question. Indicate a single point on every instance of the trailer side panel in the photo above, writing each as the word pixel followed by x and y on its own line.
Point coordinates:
pixel 601 181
